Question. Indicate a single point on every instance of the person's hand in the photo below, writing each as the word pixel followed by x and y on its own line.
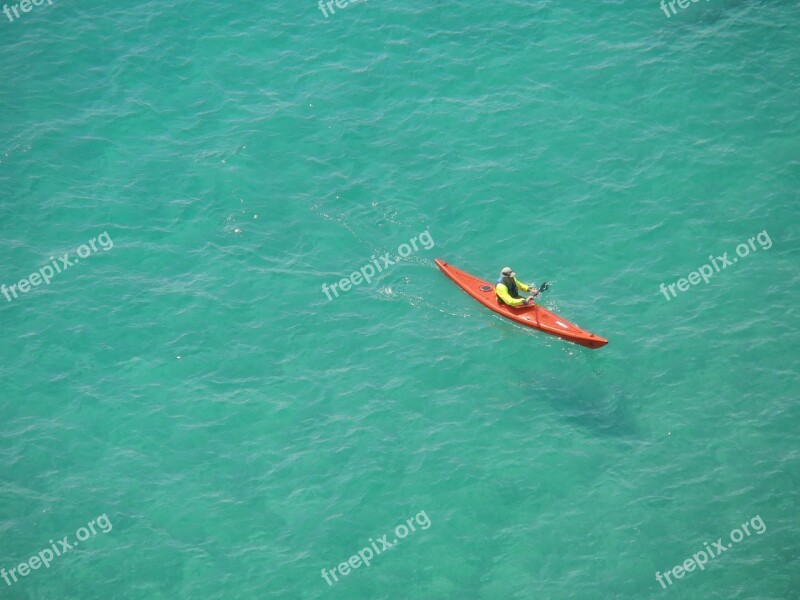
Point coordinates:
pixel 534 291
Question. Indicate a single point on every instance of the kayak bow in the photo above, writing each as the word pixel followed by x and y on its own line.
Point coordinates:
pixel 534 316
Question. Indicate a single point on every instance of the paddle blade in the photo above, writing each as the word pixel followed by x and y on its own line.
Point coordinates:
pixel 543 287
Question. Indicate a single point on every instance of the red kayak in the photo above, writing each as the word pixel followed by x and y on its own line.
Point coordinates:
pixel 531 316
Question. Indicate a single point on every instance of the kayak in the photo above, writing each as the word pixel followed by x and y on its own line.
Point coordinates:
pixel 533 316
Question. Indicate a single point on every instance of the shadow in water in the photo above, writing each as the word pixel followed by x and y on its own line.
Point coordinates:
pixel 587 404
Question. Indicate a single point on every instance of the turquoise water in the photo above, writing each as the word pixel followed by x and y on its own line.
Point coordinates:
pixel 190 380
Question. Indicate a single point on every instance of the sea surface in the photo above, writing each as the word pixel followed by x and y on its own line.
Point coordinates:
pixel 187 403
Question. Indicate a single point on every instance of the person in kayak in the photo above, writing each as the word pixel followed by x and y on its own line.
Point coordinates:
pixel 508 288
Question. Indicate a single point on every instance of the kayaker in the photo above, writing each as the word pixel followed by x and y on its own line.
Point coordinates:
pixel 508 288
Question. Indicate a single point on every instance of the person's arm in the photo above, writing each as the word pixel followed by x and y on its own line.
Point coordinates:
pixel 502 291
pixel 524 287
